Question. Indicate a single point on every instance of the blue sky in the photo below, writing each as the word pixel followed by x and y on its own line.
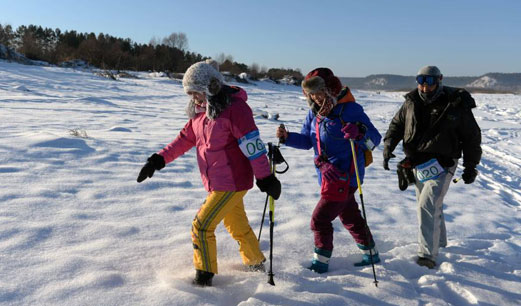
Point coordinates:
pixel 353 38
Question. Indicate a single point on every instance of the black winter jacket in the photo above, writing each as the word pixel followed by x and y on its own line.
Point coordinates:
pixel 442 129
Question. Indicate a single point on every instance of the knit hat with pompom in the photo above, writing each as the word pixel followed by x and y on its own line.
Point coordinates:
pixel 203 77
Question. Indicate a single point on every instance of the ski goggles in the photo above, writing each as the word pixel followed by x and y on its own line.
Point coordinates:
pixel 429 79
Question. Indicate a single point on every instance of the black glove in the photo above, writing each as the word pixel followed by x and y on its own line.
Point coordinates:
pixel 270 185
pixel 154 162
pixel 469 175
pixel 387 156
pixel 405 174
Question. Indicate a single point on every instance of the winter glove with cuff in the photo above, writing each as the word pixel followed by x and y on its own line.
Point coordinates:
pixel 353 131
pixel 469 175
pixel 154 162
pixel 270 185
pixel 328 170
pixel 405 174
pixel 387 156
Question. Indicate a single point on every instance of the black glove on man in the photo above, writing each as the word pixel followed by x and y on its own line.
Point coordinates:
pixel 155 162
pixel 405 174
pixel 270 185
pixel 387 156
pixel 469 175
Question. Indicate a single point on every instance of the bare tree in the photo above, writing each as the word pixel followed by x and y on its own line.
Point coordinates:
pixel 254 70
pixel 154 41
pixel 221 58
pixel 176 40
pixel 263 70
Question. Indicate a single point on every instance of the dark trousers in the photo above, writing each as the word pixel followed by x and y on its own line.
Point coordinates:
pixel 350 216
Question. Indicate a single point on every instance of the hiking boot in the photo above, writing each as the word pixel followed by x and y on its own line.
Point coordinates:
pixel 258 267
pixel 366 259
pixel 202 278
pixel 368 254
pixel 320 262
pixel 426 262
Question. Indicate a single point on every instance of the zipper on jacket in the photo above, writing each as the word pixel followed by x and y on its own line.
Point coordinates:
pixel 429 131
pixel 205 124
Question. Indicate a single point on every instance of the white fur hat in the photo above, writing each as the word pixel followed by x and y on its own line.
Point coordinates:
pixel 203 77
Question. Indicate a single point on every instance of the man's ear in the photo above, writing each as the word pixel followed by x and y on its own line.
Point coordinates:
pixel 441 77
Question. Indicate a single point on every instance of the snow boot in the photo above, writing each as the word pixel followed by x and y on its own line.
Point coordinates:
pixel 258 267
pixel 320 262
pixel 202 278
pixel 366 256
pixel 426 262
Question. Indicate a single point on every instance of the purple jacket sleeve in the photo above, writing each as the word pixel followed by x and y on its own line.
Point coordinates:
pixel 242 124
pixel 183 142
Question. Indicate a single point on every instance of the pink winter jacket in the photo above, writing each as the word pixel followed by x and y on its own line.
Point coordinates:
pixel 222 164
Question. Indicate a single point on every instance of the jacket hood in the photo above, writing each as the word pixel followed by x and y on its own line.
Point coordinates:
pixel 345 96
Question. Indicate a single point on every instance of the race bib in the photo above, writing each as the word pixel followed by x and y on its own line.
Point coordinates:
pixel 429 170
pixel 369 144
pixel 251 145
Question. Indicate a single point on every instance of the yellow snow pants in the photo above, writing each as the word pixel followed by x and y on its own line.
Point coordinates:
pixel 229 207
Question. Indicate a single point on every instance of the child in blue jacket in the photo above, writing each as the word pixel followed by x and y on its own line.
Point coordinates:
pixel 335 118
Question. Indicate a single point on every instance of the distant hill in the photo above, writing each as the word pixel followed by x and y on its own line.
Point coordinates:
pixel 490 82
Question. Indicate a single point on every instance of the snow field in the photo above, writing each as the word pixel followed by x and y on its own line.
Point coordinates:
pixel 76 228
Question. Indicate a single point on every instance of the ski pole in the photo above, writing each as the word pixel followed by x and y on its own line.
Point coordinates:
pixel 456 180
pixel 263 215
pixel 363 208
pixel 272 217
pixel 275 158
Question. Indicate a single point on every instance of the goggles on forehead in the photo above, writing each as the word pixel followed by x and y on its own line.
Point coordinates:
pixel 429 79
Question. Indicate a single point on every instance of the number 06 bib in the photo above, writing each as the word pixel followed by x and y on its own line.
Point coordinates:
pixel 429 170
pixel 251 145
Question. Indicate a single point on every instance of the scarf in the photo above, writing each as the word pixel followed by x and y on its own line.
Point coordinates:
pixel 429 97
pixel 327 106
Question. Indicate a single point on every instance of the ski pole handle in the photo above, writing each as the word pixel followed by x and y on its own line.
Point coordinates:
pixel 456 180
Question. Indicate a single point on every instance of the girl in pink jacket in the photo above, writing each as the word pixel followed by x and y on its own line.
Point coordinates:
pixel 229 154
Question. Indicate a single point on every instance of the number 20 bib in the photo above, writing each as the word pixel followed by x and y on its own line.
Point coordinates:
pixel 429 170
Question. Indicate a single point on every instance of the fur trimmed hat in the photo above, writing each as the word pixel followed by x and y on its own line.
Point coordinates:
pixel 313 84
pixel 203 77
pixel 320 78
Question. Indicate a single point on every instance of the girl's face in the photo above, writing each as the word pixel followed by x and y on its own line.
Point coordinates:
pixel 199 98
pixel 319 97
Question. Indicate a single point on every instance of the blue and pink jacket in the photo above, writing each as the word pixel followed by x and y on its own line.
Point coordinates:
pixel 223 166
pixel 337 149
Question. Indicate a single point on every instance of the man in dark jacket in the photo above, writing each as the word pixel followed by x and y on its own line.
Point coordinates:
pixel 436 125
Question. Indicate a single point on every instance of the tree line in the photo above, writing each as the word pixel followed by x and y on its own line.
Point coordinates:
pixel 108 52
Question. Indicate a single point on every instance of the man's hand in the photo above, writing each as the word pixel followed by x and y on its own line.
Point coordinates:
pixel 469 175
pixel 387 156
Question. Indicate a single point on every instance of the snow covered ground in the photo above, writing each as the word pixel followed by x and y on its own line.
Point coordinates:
pixel 76 228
